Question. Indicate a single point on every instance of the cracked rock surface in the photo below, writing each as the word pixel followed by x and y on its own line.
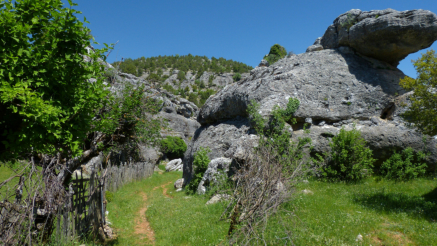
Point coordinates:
pixel 387 35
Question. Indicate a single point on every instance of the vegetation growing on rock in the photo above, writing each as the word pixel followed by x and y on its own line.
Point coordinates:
pixel 276 52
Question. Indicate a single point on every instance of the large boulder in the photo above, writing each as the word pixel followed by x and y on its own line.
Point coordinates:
pixel 387 35
pixel 332 85
pixel 178 126
pixel 218 138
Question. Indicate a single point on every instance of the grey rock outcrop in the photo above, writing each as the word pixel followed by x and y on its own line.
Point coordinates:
pixel 263 63
pixel 210 176
pixel 218 138
pixel 178 112
pixel 316 46
pixel 387 35
pixel 150 154
pixel 174 165
pixel 337 87
pixel 332 85
pixel 179 126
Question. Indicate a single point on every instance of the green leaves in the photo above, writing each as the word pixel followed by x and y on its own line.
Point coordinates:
pixel 349 157
pixel 405 165
pixel 45 99
pixel 422 112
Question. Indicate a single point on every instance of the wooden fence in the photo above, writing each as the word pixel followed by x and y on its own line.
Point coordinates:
pixel 84 213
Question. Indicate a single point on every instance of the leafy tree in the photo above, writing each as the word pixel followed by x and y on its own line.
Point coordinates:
pixel 181 75
pixel 276 52
pixel 129 119
pixel 46 100
pixel 423 109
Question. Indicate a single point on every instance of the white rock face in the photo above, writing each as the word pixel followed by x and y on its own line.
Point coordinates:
pixel 174 165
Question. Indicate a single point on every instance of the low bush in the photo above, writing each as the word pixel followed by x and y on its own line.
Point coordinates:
pixel 109 196
pixel 349 157
pixel 173 147
pixel 405 165
pixel 237 77
pixel 200 163
pixel 276 52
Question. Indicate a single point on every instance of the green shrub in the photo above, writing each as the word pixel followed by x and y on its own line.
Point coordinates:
pixel 237 77
pixel 210 79
pixel 405 165
pixel 349 157
pixel 109 196
pixel 173 147
pixel 276 52
pixel 200 164
pixel 181 75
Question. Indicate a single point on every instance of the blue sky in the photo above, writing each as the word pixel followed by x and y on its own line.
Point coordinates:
pixel 239 30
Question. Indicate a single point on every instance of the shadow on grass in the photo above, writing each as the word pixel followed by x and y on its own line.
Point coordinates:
pixel 415 206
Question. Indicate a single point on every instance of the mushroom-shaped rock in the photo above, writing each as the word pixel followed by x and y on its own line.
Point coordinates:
pixel 387 35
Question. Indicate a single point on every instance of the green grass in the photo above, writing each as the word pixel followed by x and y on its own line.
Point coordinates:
pixel 383 212
pixel 180 220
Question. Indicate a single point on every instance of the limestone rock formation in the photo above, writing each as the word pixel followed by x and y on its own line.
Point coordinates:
pixel 344 84
pixel 174 165
pixel 387 35
pixel 217 137
pixel 210 176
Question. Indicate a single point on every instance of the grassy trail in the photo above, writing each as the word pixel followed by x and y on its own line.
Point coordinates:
pixel 372 212
pixel 150 212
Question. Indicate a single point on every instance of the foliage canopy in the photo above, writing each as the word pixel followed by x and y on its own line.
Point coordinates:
pixel 47 101
pixel 349 156
pixel 423 109
pixel 174 147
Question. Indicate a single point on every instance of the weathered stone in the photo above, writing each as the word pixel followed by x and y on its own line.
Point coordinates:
pixel 263 63
pixel 179 126
pixel 387 35
pixel 149 154
pixel 330 85
pixel 218 138
pixel 178 184
pixel 210 175
pixel 174 165
pixel 314 47
pixel 218 198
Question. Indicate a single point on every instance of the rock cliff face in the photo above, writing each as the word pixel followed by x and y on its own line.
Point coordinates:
pixel 347 77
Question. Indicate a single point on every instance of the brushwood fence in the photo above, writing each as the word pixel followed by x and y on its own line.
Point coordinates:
pixel 84 212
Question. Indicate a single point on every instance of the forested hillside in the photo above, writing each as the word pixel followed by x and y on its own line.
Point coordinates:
pixel 195 78
pixel 197 64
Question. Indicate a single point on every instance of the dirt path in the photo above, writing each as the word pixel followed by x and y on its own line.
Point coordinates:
pixel 142 226
pixel 164 191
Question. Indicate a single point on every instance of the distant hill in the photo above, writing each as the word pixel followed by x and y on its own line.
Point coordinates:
pixel 196 64
pixel 192 77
